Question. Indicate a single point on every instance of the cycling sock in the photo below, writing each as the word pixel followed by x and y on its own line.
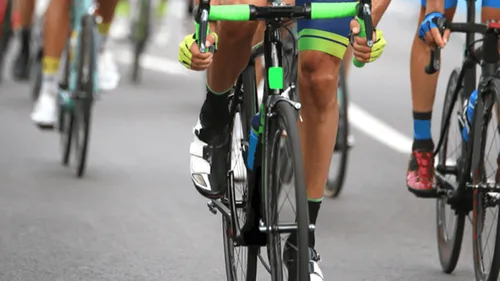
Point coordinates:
pixel 50 66
pixel 422 138
pixel 313 206
pixel 215 109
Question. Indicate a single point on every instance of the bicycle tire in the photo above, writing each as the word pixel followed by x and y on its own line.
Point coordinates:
pixel 66 117
pixel 37 72
pixel 243 106
pixel 335 182
pixel 479 130
pixel 140 36
pixel 84 94
pixel 285 118
pixel 449 247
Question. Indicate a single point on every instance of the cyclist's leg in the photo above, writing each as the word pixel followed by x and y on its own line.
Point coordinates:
pixel 107 69
pixel 420 173
pixel 234 47
pixel 322 44
pixel 56 30
pixel 26 8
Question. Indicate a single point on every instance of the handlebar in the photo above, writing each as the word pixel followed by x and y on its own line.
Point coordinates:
pixel 443 24
pixel 205 13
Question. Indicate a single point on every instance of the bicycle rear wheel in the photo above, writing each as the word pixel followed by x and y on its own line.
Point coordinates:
pixel 140 35
pixel 450 233
pixel 482 199
pixel 243 105
pixel 337 173
pixel 285 120
pixel 84 97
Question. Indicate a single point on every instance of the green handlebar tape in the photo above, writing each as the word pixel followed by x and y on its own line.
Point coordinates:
pixel 362 33
pixel 240 12
pixel 333 10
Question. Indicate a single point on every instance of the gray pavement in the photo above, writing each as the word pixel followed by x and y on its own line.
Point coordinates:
pixel 136 216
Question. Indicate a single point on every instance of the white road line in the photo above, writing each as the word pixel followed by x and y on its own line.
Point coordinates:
pixel 358 117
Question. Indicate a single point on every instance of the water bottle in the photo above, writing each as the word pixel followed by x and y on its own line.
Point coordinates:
pixel 469 114
pixel 253 141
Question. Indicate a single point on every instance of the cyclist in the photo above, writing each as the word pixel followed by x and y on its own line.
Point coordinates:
pixel 56 30
pixel 322 45
pixel 420 174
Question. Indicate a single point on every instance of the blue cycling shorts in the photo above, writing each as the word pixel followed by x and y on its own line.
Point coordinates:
pixel 453 3
pixel 328 36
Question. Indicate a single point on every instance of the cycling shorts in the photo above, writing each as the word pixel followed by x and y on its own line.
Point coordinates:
pixel 328 36
pixel 453 3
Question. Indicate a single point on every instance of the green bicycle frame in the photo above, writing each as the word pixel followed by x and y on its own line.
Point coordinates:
pixel 78 10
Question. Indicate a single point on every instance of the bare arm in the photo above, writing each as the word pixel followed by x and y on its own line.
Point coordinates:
pixel 379 8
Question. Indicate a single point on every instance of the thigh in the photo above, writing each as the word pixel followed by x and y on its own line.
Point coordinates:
pixel 327 36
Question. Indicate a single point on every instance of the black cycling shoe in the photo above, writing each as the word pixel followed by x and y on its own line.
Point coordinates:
pixel 210 148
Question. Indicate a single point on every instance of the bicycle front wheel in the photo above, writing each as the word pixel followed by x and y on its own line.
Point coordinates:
pixel 283 126
pixel 338 164
pixel 84 96
pixel 450 222
pixel 485 222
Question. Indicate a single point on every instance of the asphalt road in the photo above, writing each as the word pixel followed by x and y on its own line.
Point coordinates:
pixel 136 215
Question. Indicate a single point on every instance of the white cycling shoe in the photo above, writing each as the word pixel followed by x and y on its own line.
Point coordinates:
pixel 45 111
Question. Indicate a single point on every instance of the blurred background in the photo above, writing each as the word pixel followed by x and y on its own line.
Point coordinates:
pixel 136 216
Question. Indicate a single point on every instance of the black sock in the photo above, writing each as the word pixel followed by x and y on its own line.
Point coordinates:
pixel 215 109
pixel 313 207
pixel 422 139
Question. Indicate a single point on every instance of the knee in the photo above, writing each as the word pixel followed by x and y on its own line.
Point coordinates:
pixel 318 80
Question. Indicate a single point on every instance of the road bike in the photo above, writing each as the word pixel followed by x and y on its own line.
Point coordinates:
pixel 250 208
pixel 462 172
pixel 141 31
pixel 78 85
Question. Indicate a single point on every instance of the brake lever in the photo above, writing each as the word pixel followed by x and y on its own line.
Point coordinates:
pixel 434 61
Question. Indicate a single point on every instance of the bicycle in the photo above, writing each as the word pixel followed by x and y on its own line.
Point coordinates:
pixel 79 84
pixel 141 31
pixel 461 183
pixel 250 219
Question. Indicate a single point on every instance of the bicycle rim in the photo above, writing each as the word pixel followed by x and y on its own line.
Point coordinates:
pixel 241 261
pixel 285 119
pixel 84 96
pixel 484 201
pixel 337 173
pixel 450 232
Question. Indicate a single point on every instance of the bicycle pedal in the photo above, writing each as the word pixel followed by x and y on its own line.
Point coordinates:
pixel 211 207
